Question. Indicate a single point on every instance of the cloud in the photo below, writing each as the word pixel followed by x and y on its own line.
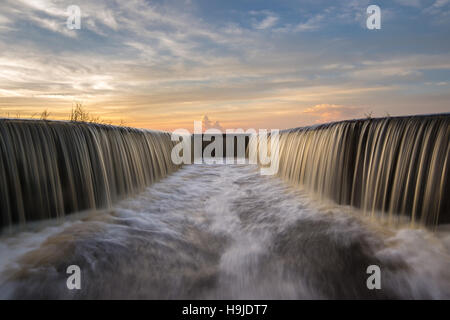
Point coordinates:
pixel 161 64
pixel 267 22
pixel 208 124
pixel 323 113
pixel 440 3
pixel 409 3
pixel 439 8
pixel 312 23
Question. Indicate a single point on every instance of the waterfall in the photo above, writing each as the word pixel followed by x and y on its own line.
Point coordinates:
pixel 52 168
pixel 396 166
pixel 225 231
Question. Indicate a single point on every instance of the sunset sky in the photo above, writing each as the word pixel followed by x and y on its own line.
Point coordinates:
pixel 242 63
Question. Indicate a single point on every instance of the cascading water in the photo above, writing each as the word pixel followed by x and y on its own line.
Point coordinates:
pixel 224 231
pixel 51 168
pixel 394 166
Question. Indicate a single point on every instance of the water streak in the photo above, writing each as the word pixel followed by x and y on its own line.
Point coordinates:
pixel 51 168
pixel 396 166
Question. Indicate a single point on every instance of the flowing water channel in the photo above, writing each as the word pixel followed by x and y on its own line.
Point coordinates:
pixel 223 231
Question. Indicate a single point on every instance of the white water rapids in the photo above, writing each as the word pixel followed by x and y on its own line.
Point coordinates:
pixel 223 232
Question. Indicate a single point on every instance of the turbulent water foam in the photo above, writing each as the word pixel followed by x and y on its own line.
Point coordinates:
pixel 216 231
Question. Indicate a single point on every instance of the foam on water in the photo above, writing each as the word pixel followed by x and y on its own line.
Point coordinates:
pixel 224 231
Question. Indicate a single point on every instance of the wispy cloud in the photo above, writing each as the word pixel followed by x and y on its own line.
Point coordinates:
pixel 410 3
pixel 269 20
pixel 440 10
pixel 162 64
pixel 323 113
pixel 312 23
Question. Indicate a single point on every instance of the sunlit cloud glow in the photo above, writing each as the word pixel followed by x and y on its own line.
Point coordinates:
pixel 164 64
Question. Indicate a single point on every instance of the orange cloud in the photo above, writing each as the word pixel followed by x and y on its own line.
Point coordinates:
pixel 208 124
pixel 322 113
